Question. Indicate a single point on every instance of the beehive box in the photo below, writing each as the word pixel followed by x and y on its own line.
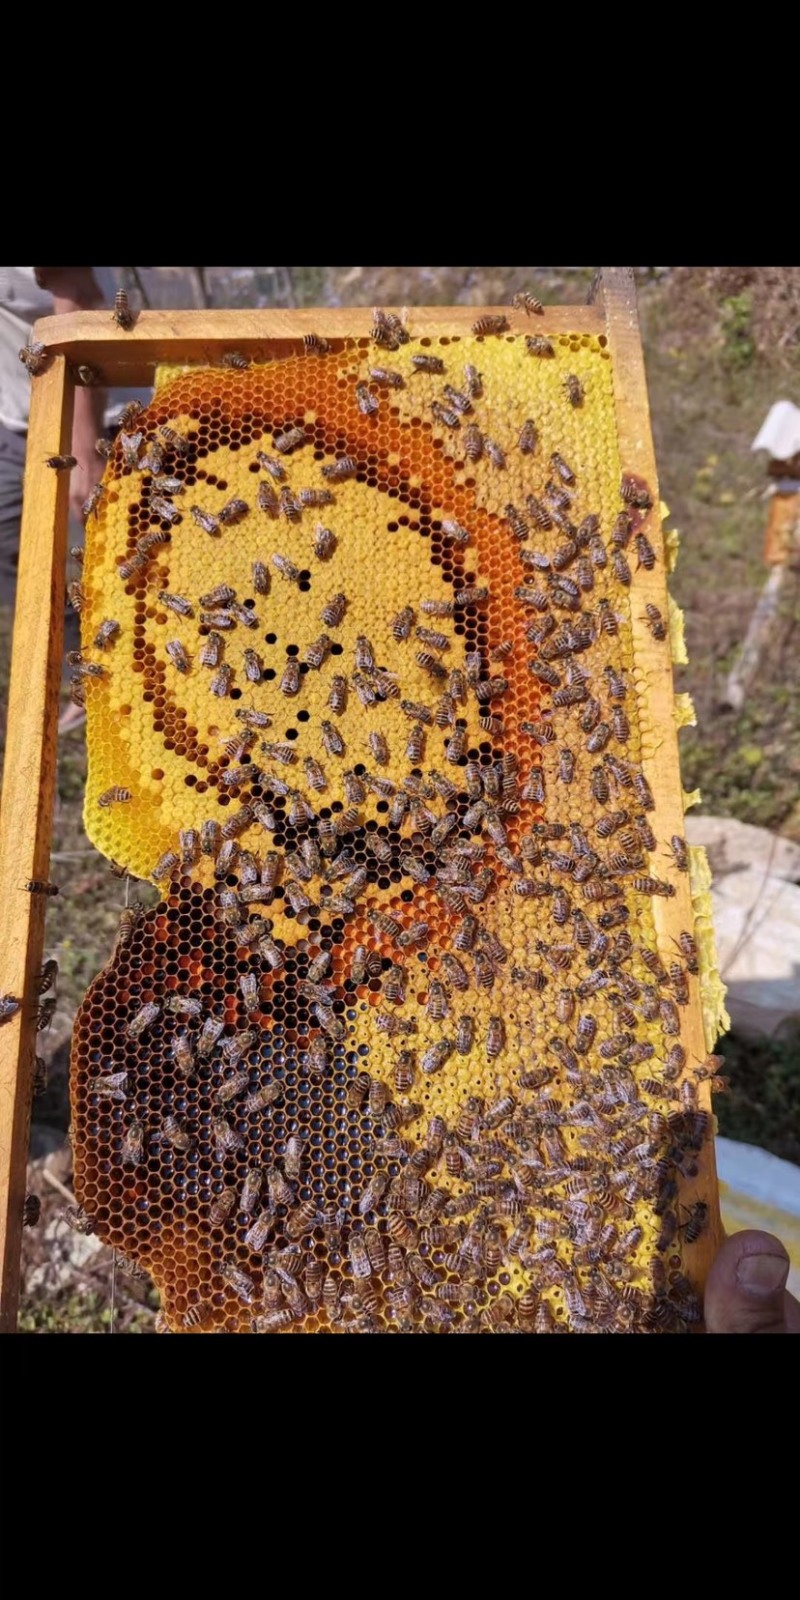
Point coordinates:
pixel 415 1039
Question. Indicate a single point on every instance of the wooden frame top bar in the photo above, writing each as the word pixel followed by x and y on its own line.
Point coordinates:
pixel 128 359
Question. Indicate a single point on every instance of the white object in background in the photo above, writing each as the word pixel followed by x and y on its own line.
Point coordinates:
pixel 757 1190
pixel 780 432
pixel 756 908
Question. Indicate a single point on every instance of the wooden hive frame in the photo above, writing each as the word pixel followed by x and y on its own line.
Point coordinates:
pixel 129 359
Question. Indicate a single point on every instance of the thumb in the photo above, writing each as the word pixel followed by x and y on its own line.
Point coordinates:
pixel 745 1292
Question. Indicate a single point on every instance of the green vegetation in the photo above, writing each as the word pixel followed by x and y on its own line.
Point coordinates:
pixel 738 348
pixel 763 1104
pixel 77 1313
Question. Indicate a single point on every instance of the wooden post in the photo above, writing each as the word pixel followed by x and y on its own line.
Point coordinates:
pixel 617 295
pixel 743 673
pixel 29 788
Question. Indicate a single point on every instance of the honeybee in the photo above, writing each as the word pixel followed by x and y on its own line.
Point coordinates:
pixel 221 682
pixel 144 1018
pixel 209 1034
pixel 475 595
pixel 47 979
pixel 495 1038
pixel 177 654
pixel 386 379
pixel 324 542
pixel 563 469
pixel 367 403
pixel 248 986
pixel 204 519
pixel 537 346
pixel 646 556
pixel 75 595
pixel 373 1193
pixel 494 452
pixel 643 792
pixel 315 774
pixel 166 485
pixel 698 1216
pixel 387 330
pixel 173 1131
pixel 113 796
pixel 332 741
pixel 239 1281
pixel 45 1013
pixel 61 463
pixel 8 1007
pixel 210 837
pixel 516 522
pixel 359 1259
pixel 490 324
pixel 574 388
pixel 130 445
pixel 153 461
pixel 668 1013
pixel 165 865
pixel 164 509
pixel 109 1087
pixel 291 439
pixel 598 738
pixel 84 669
pixel 224 1202
pixel 415 748
pixel 235 509
pixel 176 603
pixel 290 679
pixel 34 356
pixel 182 1055
pixel 286 568
pixel 133 1144
pixel 436 1055
pixel 338 471
pixel 566 765
pixel 656 623
pixel 680 985
pixel 634 491
pixel 445 415
pixel 422 363
pixel 333 610
pixel 267 500
pixel 284 753
pixel 122 314
pixel 402 624
pixel 226 1139
pixel 680 852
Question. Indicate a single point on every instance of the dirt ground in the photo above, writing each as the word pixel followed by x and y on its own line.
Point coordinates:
pixel 720 345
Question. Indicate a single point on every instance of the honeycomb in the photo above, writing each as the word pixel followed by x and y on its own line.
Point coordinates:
pixel 407 1055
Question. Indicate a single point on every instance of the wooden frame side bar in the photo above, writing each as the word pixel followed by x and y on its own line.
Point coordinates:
pixel 26 814
pixel 617 294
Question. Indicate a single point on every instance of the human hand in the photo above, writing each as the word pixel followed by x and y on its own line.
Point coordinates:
pixel 746 1288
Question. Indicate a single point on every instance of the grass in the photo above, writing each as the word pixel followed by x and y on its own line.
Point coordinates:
pixel 75 1313
pixel 763 1103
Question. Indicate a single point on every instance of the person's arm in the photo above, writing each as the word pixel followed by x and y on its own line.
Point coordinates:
pixel 77 289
